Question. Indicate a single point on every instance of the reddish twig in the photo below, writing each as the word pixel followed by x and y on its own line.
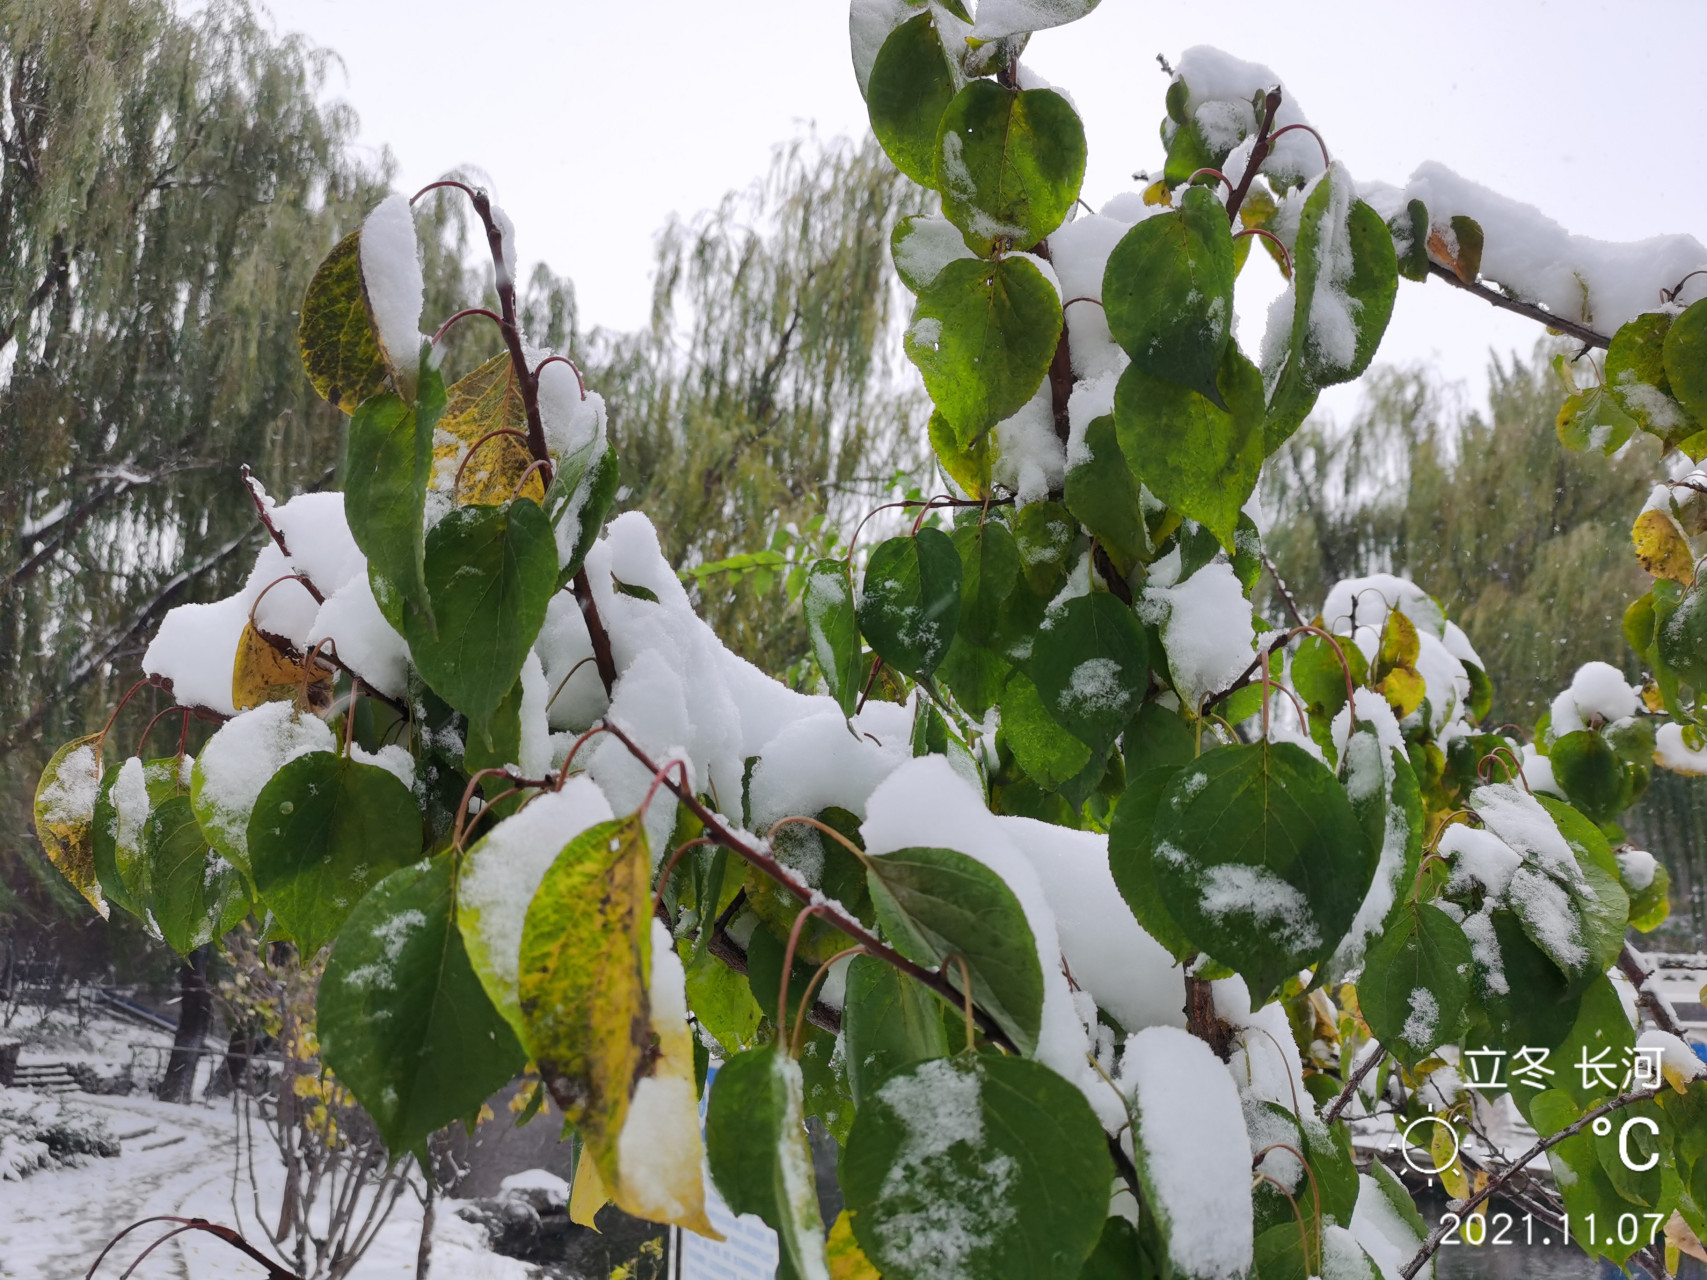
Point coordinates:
pixel 596 632
pixel 227 1234
pixel 556 359
pixel 465 312
pixel 836 915
pixel 1281 133
pixel 1259 153
pixel 1273 239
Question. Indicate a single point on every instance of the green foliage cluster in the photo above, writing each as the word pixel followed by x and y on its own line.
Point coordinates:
pixel 1283 812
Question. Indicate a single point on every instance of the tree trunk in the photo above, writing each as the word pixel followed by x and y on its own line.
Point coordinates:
pixel 195 1011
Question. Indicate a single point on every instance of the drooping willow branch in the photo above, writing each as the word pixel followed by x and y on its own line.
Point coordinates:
pixel 832 912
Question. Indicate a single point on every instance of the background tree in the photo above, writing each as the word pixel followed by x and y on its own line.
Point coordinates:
pixel 1525 543
pixel 765 393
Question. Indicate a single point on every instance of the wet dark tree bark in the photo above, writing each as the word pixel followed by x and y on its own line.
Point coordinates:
pixel 195 1012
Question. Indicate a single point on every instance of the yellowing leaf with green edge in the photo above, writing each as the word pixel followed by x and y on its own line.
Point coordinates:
pixel 585 959
pixel 589 970
pixel 340 350
pixel 1442 1148
pixel 1662 548
pixel 1404 690
pixel 968 467
pixel 847 1260
pixel 481 402
pixel 65 815
pixel 269 671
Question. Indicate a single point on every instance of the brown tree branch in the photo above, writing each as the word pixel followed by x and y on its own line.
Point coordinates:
pixel 1259 153
pixel 1581 332
pixel 1635 967
pixel 602 657
pixel 832 912
pixel 1356 1078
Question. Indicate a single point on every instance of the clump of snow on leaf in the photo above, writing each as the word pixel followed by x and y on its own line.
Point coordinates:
pixel 391 277
pixel 1195 1152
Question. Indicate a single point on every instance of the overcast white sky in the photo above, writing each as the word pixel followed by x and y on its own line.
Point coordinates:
pixel 596 121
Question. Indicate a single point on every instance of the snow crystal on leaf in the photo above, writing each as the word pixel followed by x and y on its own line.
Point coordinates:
pixel 1672 752
pixel 1424 1017
pixel 1272 903
pixel 70 797
pixel 939 1105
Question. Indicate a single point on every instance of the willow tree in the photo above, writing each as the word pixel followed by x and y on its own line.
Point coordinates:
pixel 761 410
pixel 168 185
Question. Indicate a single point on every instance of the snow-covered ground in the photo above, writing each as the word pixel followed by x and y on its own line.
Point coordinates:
pixel 179 1160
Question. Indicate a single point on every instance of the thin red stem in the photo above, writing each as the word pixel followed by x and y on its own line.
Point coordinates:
pixel 806 999
pixel 1273 239
pixel 670 867
pixel 466 311
pixel 811 909
pixel 563 773
pixel 129 694
pixel 456 484
pixel 557 359
pixel 1281 133
pixel 1199 173
pixel 183 711
pixel 443 182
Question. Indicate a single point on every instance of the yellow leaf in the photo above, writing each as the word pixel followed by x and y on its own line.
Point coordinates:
pixel 1400 646
pixel 65 815
pixel 660 1155
pixel 340 350
pixel 1662 548
pixel 587 1196
pixel 476 405
pixel 604 1013
pixel 1404 690
pixel 847 1260
pixel 1158 193
pixel 1442 1147
pixel 269 670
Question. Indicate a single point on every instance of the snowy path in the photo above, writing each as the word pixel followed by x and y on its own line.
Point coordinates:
pixel 54 1223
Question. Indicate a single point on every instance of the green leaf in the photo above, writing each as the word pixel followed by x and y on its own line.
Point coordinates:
pixel 1022 19
pixel 1650 904
pixel 104 846
pixel 1046 536
pixel 584 973
pixel 910 605
pixel 934 903
pixel 1199 459
pixel 340 350
pixel 1636 375
pixel 755 1138
pixel 1261 860
pixel 1583 763
pixel 990 569
pixel 1091 668
pixel 1593 419
pixel 323 831
pixel 829 606
pixel 1017 1190
pixel 911 84
pixel 983 335
pixel 889 1021
pixel 1522 997
pixel 403 1020
pixel 1118 1255
pixel 1346 277
pixel 922 245
pixel 193 894
pixel 65 800
pixel 1103 494
pixel 388 460
pixel 1008 164
pixel 490 572
pixel 1416 982
pixel 1686 360
pixel 1680 634
pixel 1046 751
pixel 1168 293
pixel 1158 739
pixel 1409 230
pixel 1132 856
pixel 587 502
pixel 969 466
